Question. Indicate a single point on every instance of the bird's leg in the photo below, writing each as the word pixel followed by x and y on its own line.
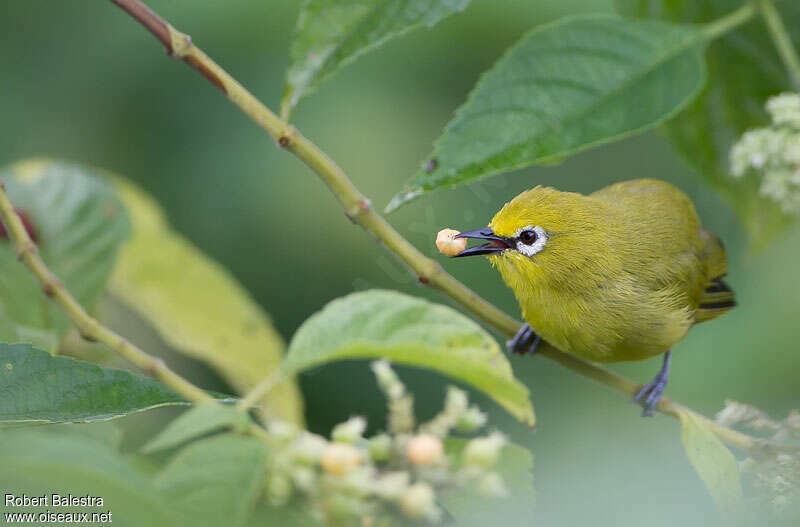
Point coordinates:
pixel 651 392
pixel 525 341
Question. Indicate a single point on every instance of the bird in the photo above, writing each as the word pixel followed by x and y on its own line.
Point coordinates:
pixel 620 274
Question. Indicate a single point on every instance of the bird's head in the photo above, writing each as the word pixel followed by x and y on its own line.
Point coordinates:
pixel 541 231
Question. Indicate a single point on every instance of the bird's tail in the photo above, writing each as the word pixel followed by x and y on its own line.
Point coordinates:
pixel 718 298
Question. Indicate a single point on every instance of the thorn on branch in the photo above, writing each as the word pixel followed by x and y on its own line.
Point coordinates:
pixel 49 288
pixel 154 366
pixel 360 208
pixel 88 338
pixel 27 247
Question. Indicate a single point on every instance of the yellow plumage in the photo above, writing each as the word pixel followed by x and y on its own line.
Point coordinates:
pixel 623 274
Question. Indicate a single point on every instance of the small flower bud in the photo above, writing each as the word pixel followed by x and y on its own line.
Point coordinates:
pixel 392 485
pixel 388 380
pixel 308 448
pixel 278 489
pixel 350 431
pixel 419 501
pixel 340 508
pixel 484 452
pixel 304 478
pixel 340 458
pixel 380 447
pixel 785 108
pixel 456 400
pixel 424 450
pixel 492 485
pixel 447 244
pixel 471 420
pixel 282 431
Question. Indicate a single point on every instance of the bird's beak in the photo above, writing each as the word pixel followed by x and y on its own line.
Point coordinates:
pixel 496 243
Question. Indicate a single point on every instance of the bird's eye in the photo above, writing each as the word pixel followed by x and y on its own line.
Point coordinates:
pixel 527 237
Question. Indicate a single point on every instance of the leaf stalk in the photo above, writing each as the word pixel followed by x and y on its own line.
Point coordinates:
pixel 780 36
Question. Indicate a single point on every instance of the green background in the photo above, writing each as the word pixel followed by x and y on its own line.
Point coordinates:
pixel 82 82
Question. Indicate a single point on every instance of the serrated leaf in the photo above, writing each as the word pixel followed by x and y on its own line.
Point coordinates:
pixel 216 481
pixel 712 461
pixel 745 71
pixel 37 387
pixel 79 224
pixel 412 331
pixel 39 462
pixel 332 33
pixel 197 306
pixel 468 507
pixel 565 87
pixel 195 422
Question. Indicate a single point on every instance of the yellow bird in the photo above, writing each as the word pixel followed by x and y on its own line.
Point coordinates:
pixel 621 274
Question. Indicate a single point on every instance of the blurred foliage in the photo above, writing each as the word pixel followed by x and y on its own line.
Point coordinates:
pixel 331 34
pixel 197 306
pixel 744 71
pixel 83 82
pixel 78 223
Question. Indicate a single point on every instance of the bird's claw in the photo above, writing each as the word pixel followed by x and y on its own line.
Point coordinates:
pixel 525 341
pixel 650 394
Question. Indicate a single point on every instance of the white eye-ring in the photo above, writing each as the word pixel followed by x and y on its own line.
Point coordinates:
pixel 530 240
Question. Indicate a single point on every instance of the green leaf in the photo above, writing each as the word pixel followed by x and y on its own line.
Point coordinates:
pixel 712 461
pixel 565 87
pixel 470 508
pixel 745 71
pixel 195 422
pixel 36 386
pixel 216 481
pixel 79 224
pixel 408 330
pixel 40 462
pixel 197 306
pixel 332 33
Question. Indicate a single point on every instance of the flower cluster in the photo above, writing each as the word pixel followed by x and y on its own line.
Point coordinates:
pixel 775 472
pixel 403 473
pixel 773 153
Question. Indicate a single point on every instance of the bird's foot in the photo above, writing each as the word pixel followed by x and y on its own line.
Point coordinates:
pixel 525 341
pixel 649 395
pixel 651 392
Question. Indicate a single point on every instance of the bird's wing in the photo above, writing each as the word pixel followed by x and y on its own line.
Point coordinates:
pixel 663 237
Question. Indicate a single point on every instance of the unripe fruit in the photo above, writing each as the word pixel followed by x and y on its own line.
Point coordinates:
pixel 350 431
pixel 340 458
pixel 424 450
pixel 447 244
pixel 483 452
pixel 380 447
pixel 418 501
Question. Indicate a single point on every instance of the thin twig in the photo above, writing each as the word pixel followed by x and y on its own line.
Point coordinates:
pixel 359 210
pixel 89 327
pixel 782 39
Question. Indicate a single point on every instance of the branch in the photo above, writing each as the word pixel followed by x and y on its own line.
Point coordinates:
pixel 89 327
pixel 359 210
pixel 782 40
